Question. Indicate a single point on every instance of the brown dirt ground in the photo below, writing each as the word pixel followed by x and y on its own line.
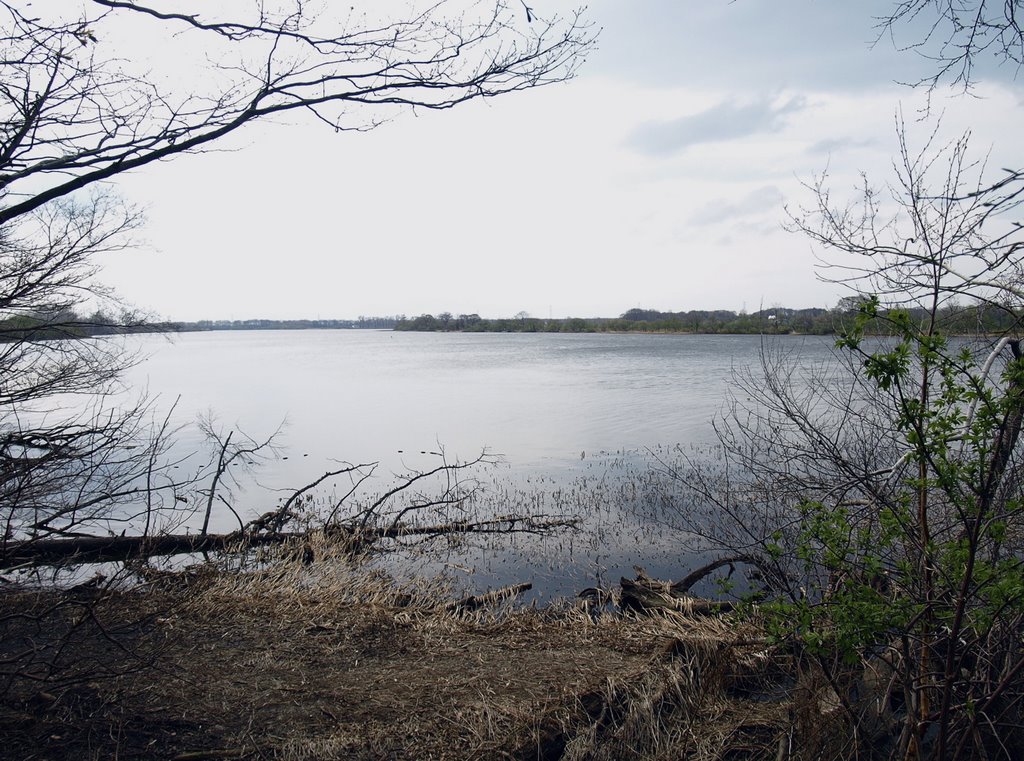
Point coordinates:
pixel 343 665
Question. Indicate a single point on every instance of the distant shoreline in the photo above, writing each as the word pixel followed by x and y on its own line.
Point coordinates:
pixel 961 320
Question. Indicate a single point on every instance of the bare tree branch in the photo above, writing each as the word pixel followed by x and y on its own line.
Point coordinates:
pixel 958 34
pixel 73 115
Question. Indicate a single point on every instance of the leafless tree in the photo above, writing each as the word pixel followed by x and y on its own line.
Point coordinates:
pixel 68 455
pixel 957 35
pixel 943 219
pixel 76 112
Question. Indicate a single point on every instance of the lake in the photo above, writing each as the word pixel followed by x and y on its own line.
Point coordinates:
pixel 574 414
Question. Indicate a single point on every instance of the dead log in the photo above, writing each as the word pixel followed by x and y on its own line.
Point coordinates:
pixel 646 595
pixel 475 602
pixel 101 549
pixel 686 583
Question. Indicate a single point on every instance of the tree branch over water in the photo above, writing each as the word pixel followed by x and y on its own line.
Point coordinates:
pixel 77 111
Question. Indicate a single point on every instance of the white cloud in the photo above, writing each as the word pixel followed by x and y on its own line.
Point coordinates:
pixel 728 120
pixel 767 199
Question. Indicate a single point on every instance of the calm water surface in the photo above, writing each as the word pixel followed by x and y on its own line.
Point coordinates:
pixel 555 407
pixel 535 398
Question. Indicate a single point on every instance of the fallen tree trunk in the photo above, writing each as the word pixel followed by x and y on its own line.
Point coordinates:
pixel 101 549
pixel 475 602
pixel 767 573
pixel 646 595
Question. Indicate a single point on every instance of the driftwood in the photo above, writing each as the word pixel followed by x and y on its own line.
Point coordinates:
pixel 686 583
pixel 475 602
pixel 647 595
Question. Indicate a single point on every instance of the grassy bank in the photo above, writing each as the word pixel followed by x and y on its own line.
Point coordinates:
pixel 331 661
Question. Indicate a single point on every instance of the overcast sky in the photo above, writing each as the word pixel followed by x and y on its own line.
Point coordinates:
pixel 657 178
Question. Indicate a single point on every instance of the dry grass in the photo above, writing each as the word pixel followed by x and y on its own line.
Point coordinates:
pixel 331 661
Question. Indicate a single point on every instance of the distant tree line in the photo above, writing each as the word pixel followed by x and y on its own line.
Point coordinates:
pixel 635 321
pixel 42 325
pixel 955 319
pixel 379 323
